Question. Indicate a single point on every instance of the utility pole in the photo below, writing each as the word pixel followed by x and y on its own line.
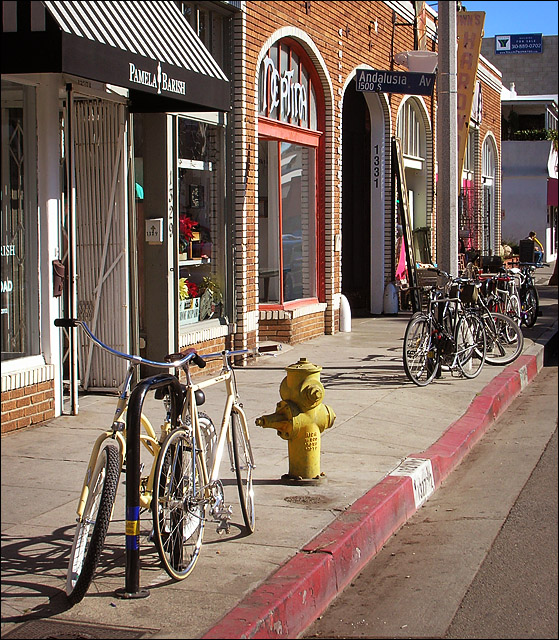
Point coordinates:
pixel 447 141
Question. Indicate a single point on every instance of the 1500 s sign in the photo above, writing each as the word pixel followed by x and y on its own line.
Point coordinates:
pixel 408 82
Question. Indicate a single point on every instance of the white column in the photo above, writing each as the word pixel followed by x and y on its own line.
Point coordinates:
pixel 447 142
pixel 48 199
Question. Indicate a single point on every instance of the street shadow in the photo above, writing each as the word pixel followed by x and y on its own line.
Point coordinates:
pixel 22 558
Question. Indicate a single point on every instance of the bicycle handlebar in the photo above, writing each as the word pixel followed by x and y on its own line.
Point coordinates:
pixel 175 360
pixel 182 358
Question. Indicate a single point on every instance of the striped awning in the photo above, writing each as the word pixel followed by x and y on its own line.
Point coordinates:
pixel 147 47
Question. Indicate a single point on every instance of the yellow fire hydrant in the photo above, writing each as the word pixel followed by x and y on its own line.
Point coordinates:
pixel 300 418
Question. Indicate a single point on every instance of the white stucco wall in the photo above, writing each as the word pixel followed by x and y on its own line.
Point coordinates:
pixel 524 189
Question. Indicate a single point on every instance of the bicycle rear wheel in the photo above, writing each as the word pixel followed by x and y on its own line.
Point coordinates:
pixel 243 464
pixel 91 530
pixel 420 353
pixel 505 339
pixel 530 306
pixel 178 505
pixel 208 433
pixel 470 345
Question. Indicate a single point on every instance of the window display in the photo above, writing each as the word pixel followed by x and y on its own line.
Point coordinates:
pixel 201 265
pixel 18 248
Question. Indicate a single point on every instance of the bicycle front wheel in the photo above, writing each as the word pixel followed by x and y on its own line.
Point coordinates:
pixel 470 345
pixel 178 505
pixel 505 339
pixel 92 528
pixel 243 464
pixel 514 308
pixel 420 353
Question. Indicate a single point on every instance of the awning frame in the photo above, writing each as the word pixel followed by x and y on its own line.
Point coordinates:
pixel 56 44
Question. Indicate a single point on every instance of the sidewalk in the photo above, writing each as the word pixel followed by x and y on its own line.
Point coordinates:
pixel 309 541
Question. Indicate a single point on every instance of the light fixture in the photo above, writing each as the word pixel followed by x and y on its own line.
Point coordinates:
pixel 418 61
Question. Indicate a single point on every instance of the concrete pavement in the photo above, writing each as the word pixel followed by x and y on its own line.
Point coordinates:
pixel 391 445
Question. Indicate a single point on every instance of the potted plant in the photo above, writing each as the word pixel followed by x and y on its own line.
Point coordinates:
pixel 187 233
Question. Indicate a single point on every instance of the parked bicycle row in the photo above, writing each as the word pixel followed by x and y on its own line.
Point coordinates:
pixel 468 321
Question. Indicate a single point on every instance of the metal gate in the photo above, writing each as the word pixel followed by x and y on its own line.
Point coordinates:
pixel 98 240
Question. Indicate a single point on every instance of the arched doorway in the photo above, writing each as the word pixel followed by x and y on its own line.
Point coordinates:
pixel 489 230
pixel 356 201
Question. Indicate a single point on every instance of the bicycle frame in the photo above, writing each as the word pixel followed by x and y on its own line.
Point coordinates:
pixel 211 475
pixel 118 429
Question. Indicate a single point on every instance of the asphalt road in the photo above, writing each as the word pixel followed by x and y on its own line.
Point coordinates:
pixel 479 559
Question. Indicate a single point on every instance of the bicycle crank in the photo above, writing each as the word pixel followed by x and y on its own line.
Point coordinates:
pixel 220 512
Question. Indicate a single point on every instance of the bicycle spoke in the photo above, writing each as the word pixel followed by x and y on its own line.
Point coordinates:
pixel 178 507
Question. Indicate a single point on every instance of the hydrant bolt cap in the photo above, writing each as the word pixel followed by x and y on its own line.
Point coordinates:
pixel 304 365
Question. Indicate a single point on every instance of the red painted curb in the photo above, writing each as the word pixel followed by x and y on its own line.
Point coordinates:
pixel 293 597
pixel 450 449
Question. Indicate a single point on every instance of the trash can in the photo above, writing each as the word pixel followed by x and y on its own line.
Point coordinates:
pixel 390 306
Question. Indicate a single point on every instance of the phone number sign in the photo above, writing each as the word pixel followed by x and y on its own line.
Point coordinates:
pixel 519 43
pixel 408 82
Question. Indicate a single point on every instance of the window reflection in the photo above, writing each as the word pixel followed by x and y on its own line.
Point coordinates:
pixel 19 291
pixel 287 211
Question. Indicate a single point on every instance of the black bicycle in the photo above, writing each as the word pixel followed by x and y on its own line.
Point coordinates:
pixel 443 337
pixel 529 298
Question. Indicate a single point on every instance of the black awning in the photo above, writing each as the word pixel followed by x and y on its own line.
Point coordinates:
pixel 147 47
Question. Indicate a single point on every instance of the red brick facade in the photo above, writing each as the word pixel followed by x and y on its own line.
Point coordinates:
pixel 27 406
pixel 338 37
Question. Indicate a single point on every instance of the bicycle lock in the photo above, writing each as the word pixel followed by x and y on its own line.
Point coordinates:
pixel 133 425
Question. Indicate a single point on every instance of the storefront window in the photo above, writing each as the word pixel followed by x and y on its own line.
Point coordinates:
pixel 288 152
pixel 488 155
pixel 200 247
pixel 287 227
pixel 18 251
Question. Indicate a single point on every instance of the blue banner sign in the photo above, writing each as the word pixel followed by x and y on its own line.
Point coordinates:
pixel 419 84
pixel 519 43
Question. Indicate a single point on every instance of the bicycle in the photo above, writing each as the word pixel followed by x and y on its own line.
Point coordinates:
pixel 187 473
pixel 502 295
pixel 108 459
pixel 504 337
pixel 443 337
pixel 529 298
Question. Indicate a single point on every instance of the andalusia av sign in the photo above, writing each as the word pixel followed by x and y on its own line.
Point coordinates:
pixel 411 83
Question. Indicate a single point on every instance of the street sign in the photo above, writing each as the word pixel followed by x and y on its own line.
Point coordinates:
pixel 519 43
pixel 411 83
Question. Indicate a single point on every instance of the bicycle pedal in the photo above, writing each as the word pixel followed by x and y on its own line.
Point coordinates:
pixel 222 514
pixel 223 527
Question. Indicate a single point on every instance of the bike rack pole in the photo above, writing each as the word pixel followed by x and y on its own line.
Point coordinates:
pixel 133 421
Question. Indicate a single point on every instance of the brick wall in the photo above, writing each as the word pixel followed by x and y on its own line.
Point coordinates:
pixel 532 73
pixel 338 36
pixel 28 405
pixel 292 330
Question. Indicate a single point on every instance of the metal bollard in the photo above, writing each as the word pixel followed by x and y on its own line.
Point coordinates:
pixel 133 421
